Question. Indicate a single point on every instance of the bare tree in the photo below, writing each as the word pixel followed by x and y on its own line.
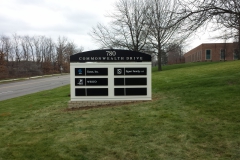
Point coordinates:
pixel 64 50
pixel 164 26
pixel 221 13
pixel 5 47
pixel 128 29
pixel 78 49
pixel 175 53
pixel 36 41
pixel 61 49
pixel 30 43
pixel 16 47
pixel 25 48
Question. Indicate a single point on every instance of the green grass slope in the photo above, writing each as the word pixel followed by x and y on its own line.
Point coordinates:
pixel 194 114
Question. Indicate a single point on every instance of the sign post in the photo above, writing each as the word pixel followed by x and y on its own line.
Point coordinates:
pixel 102 77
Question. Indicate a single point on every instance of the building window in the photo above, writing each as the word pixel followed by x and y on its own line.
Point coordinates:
pixel 208 54
pixel 222 54
pixel 235 54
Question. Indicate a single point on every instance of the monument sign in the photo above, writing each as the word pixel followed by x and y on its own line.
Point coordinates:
pixel 110 75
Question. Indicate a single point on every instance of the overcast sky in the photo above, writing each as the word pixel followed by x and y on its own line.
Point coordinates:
pixel 69 18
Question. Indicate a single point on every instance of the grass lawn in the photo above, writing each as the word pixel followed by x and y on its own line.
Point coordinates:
pixel 194 114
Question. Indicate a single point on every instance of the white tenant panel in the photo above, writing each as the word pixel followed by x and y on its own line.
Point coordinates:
pixel 126 90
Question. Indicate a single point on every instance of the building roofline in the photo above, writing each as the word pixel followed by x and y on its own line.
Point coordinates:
pixel 208 43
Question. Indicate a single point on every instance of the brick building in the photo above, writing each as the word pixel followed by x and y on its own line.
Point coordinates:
pixel 212 52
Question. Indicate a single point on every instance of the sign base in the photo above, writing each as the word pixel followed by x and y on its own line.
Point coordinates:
pixel 83 104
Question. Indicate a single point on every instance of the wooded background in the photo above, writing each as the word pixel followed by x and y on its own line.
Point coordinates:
pixel 25 56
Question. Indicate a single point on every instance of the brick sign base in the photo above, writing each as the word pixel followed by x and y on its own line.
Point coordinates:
pixel 82 104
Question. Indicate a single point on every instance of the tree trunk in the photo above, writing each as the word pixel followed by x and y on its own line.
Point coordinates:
pixel 159 58
pixel 238 52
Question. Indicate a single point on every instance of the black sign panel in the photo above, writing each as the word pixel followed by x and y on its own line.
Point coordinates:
pixel 119 91
pixel 96 71
pixel 97 91
pixel 130 81
pixel 79 71
pixel 130 91
pixel 135 81
pixel 80 92
pixel 135 71
pixel 79 81
pixel 96 81
pixel 136 91
pixel 118 81
pixel 91 91
pixel 111 55
pixel 118 71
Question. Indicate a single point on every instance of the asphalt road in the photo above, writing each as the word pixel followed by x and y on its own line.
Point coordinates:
pixel 16 89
